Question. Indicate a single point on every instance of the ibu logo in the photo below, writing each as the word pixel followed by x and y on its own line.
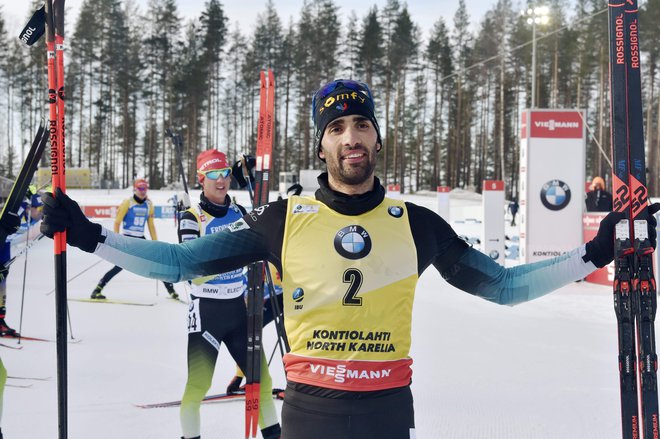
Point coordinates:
pixel 298 295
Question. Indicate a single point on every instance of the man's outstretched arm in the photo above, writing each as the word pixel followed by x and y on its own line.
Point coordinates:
pixel 230 249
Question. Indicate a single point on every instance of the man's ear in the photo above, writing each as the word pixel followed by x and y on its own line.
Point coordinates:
pixel 379 147
pixel 200 179
pixel 321 153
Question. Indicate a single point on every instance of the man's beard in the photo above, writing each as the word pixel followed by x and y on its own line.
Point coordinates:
pixel 354 174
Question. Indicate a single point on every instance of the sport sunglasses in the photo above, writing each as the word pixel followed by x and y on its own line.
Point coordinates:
pixel 214 174
pixel 323 92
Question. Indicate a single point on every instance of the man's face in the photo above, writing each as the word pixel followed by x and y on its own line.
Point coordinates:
pixel 349 148
pixel 215 190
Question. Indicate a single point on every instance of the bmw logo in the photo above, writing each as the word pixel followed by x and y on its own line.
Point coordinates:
pixel 555 195
pixel 298 295
pixel 395 211
pixel 353 242
pixel 494 254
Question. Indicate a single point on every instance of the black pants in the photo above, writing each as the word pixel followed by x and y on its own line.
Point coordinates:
pixel 387 417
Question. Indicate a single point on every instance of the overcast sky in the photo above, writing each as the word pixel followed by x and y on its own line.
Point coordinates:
pixel 423 12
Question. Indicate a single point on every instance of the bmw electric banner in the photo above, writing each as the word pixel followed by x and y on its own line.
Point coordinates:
pixel 552 161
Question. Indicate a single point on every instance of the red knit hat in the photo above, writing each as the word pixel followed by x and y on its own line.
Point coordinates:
pixel 211 159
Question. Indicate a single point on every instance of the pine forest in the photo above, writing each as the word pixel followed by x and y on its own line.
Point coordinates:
pixel 448 100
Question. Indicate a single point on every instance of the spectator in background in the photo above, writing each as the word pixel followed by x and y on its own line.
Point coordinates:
pixel 513 208
pixel 598 199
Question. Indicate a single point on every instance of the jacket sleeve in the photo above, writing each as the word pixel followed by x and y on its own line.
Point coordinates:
pixel 477 274
pixel 234 247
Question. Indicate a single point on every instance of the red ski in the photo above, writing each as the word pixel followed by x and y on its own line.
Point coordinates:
pixel 255 274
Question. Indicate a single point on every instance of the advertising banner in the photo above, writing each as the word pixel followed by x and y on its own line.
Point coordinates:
pixel 552 162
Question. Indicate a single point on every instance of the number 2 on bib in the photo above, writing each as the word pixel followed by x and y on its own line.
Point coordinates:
pixel 353 277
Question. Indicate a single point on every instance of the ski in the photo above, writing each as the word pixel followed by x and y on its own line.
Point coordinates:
pixel 624 310
pixel 178 299
pixel 635 299
pixel 255 296
pixel 22 337
pixel 110 301
pixel 623 261
pixel 644 287
pixel 19 189
pixel 10 346
pixel 220 397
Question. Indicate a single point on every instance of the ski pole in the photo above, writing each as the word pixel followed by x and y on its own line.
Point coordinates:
pixel 27 247
pixel 68 315
pixel 277 316
pixel 246 175
pixel 77 275
pixel 272 354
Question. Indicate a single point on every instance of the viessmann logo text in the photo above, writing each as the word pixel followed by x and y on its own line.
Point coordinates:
pixel 340 373
pixel 556 124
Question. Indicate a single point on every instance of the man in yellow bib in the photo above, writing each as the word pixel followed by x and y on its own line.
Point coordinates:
pixel 350 259
pixel 133 215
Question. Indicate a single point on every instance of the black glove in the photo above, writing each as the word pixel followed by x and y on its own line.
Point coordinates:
pixel 63 213
pixel 237 170
pixel 600 250
pixel 295 189
pixel 9 224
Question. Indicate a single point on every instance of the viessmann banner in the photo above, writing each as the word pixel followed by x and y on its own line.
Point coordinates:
pixel 104 211
pixel 552 162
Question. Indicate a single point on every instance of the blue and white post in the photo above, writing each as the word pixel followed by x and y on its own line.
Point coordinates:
pixel 492 236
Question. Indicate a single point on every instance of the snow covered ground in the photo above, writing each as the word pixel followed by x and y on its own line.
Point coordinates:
pixel 545 369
